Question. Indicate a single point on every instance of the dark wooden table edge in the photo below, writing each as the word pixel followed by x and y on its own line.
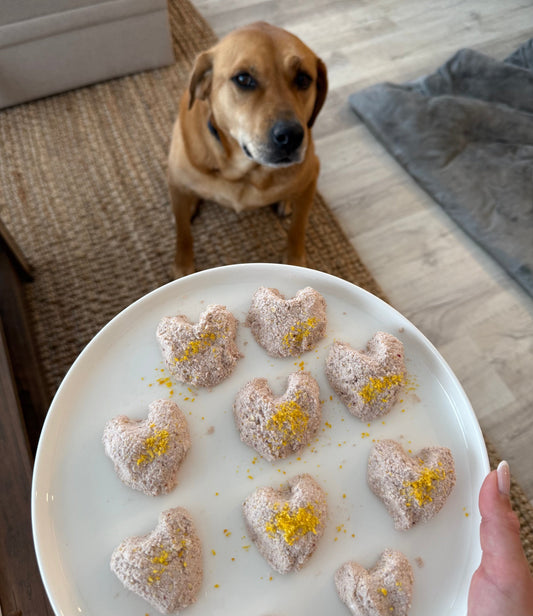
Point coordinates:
pixel 23 406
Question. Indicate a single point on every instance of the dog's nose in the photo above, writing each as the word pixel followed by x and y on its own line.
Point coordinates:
pixel 287 135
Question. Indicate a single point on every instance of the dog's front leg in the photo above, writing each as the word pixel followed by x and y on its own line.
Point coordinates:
pixel 184 203
pixel 301 206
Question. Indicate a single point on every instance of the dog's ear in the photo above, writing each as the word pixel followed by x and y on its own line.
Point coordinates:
pixel 201 78
pixel 321 90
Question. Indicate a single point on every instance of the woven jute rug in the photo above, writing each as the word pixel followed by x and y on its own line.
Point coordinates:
pixel 83 191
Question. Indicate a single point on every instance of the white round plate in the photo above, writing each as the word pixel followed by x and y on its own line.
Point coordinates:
pixel 81 510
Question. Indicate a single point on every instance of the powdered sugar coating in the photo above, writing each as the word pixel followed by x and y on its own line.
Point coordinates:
pixel 164 567
pixel 286 525
pixel 278 426
pixel 202 354
pixel 385 589
pixel 287 327
pixel 368 382
pixel 147 453
pixel 413 488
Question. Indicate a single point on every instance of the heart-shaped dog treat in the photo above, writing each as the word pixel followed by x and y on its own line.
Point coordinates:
pixel 286 525
pixel 147 454
pixel 165 566
pixel 413 488
pixel 385 589
pixel 370 382
pixel 287 327
pixel 278 427
pixel 203 354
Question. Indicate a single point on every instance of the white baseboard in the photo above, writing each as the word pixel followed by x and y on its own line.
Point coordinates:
pixel 61 51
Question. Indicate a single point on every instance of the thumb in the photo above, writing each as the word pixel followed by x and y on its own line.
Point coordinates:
pixel 502 584
pixel 500 528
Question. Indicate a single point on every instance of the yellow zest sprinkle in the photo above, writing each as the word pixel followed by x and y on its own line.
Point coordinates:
pixel 154 445
pixel 299 332
pixel 194 347
pixel 293 525
pixel 217 585
pixel 289 419
pixel 421 489
pixel 377 386
pixel 165 381
pixel 411 383
pixel 213 552
pixel 157 572
pixel 383 591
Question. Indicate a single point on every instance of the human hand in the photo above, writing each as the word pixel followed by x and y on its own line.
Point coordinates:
pixel 502 585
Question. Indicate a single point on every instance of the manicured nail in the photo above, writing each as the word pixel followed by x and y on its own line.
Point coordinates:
pixel 504 478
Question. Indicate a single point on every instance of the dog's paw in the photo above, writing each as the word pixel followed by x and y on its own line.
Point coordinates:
pixel 179 270
pixel 278 427
pixel 413 488
pixel 202 354
pixel 385 589
pixel 300 260
pixel 370 382
pixel 282 209
pixel 287 327
pixel 286 525
pixel 147 454
pixel 165 566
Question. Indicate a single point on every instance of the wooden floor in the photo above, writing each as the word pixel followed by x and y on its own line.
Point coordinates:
pixel 479 319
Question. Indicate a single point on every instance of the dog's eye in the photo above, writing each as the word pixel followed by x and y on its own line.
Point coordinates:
pixel 302 80
pixel 245 81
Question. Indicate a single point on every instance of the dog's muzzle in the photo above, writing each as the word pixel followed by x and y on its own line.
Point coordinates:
pixel 284 145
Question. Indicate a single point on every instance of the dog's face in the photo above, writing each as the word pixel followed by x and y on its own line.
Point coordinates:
pixel 265 89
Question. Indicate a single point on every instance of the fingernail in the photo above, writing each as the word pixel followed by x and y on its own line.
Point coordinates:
pixel 504 478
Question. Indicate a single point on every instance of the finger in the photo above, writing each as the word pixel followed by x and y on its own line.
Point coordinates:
pixel 500 528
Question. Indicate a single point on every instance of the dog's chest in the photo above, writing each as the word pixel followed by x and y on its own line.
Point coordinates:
pixel 240 191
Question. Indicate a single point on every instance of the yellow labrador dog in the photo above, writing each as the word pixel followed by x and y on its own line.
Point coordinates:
pixel 243 134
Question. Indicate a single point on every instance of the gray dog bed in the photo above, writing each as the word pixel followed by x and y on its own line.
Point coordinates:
pixel 465 134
